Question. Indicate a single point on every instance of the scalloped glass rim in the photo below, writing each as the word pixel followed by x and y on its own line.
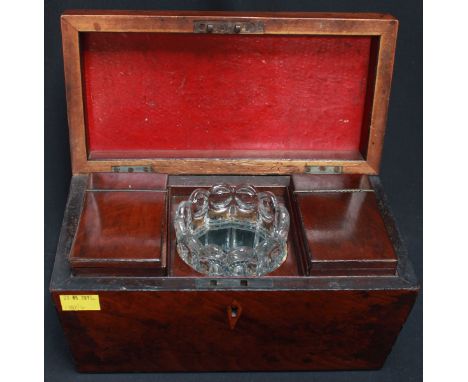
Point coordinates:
pixel 232 231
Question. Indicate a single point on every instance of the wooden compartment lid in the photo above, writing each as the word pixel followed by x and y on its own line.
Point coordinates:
pixel 217 92
pixel 122 227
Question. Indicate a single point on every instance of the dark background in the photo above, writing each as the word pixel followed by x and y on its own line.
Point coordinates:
pixel 401 174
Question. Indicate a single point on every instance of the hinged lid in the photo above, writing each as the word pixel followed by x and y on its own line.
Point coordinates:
pixel 122 226
pixel 214 92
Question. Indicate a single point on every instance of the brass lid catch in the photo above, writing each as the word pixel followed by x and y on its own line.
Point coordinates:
pixel 228 27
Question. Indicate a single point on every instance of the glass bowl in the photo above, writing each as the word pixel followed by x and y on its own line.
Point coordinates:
pixel 232 231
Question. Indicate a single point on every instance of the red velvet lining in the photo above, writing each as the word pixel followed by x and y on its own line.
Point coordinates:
pixel 150 92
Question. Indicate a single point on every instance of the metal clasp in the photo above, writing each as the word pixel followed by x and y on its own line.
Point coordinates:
pixel 228 27
pixel 132 169
pixel 323 170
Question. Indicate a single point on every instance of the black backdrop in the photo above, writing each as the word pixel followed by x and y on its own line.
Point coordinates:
pixel 401 174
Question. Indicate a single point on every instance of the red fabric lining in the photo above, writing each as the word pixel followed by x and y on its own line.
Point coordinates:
pixel 148 92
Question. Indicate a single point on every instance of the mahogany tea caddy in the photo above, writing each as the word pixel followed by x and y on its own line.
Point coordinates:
pixel 163 103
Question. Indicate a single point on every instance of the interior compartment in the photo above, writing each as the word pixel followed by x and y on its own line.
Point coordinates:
pixel 227 96
pixel 342 226
pixel 294 265
pixel 126 225
pixel 122 226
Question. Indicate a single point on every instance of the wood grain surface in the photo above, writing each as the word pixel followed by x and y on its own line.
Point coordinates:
pixel 345 234
pixel 190 330
pixel 122 228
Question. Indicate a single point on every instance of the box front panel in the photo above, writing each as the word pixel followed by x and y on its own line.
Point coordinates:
pixel 271 330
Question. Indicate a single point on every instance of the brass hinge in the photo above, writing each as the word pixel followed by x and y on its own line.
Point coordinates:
pixel 228 27
pixel 323 169
pixel 132 169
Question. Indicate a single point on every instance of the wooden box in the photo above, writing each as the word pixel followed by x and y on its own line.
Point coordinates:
pixel 160 103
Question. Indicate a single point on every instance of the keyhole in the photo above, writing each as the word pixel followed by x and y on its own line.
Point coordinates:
pixel 233 311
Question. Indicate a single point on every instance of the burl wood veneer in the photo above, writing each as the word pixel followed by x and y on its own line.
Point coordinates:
pixel 282 330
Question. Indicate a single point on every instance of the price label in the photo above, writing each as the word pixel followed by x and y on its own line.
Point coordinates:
pixel 80 302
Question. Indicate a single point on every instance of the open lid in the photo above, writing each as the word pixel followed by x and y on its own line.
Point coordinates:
pixel 216 92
